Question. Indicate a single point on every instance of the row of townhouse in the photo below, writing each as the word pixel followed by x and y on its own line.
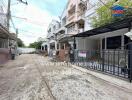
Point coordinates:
pixel 74 30
pixel 7 39
pixel 72 21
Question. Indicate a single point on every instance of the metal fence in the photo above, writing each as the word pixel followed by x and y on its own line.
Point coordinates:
pixel 115 62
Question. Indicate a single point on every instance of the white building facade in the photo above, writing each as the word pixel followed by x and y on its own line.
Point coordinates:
pixel 51 36
pixel 76 19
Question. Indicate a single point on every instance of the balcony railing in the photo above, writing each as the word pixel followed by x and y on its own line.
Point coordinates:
pixel 71 17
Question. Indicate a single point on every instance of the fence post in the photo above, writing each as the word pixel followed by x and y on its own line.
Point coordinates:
pixel 130 62
pixel 114 62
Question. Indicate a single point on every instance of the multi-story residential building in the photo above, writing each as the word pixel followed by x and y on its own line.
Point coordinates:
pixel 75 19
pixel 75 16
pixel 84 43
pixel 61 32
pixel 101 41
pixel 72 22
pixel 51 36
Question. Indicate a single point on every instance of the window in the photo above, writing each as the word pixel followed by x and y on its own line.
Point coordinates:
pixel 103 44
pixel 72 11
pixel 126 41
pixel 114 42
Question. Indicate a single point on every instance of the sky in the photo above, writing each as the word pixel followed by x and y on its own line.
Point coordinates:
pixel 32 20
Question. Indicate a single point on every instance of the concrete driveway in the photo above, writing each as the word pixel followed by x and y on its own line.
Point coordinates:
pixel 33 77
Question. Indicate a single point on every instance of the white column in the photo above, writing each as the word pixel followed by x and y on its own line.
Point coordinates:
pixel 55 45
pixel 59 46
pixel 2 44
pixel 41 47
pixel 77 43
pixel 66 32
pixel 64 46
pixel 44 47
pixel 84 44
pixel 8 42
pixel 100 43
pixel 101 39
pixel 105 43
pixel 76 28
pixel 122 42
pixel 48 47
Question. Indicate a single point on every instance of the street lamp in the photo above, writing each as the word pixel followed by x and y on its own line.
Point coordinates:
pixel 23 2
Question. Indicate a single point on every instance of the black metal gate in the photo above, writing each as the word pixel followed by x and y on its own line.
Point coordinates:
pixel 115 62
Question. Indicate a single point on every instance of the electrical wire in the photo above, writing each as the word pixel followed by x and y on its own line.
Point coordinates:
pixel 28 35
pixel 3 5
pixel 104 4
pixel 13 24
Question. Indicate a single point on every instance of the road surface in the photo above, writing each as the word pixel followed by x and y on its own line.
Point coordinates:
pixel 33 77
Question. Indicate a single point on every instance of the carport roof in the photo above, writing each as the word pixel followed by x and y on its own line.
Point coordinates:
pixel 125 23
pixel 4 33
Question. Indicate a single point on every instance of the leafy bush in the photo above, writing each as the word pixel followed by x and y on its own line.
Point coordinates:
pixel 104 13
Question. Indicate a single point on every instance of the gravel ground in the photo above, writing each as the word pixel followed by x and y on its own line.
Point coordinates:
pixel 33 77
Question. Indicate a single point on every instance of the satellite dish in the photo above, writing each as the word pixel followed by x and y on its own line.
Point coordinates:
pixel 129 34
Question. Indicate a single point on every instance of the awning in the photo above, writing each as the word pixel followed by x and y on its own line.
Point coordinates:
pixel 65 37
pixel 125 23
pixel 4 33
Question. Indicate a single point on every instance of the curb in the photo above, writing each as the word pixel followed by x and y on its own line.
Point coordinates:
pixel 109 80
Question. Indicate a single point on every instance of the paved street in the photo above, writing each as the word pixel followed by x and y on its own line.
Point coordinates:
pixel 33 77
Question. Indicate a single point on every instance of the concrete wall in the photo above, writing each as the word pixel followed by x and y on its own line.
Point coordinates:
pixel 51 26
pixel 87 44
pixel 3 43
pixel 89 14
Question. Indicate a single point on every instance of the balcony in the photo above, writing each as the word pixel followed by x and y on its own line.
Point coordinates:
pixel 82 3
pixel 71 18
pixel 60 36
pixel 81 15
pixel 82 6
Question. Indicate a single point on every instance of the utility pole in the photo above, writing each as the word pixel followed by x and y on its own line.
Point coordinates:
pixel 8 14
pixel 17 37
pixel 17 32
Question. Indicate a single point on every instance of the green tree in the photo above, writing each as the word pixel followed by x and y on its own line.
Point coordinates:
pixel 36 45
pixel 104 13
pixel 20 43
